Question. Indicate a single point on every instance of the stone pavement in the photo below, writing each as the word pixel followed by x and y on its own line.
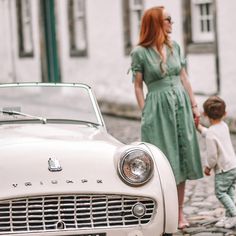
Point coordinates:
pixel 202 209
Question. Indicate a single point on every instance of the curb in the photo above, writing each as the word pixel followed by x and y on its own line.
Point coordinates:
pixel 130 111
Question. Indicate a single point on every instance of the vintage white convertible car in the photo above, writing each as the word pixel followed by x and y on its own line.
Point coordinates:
pixel 61 173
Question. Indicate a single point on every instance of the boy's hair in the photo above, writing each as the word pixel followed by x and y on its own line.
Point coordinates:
pixel 214 107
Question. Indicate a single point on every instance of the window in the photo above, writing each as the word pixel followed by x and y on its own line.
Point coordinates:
pixel 131 20
pixel 201 45
pixel 199 24
pixel 24 20
pixel 202 21
pixel 77 28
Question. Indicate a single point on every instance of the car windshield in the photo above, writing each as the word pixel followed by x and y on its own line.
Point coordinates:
pixel 48 103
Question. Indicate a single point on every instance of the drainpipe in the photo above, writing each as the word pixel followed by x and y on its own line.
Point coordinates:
pixel 12 51
pixel 216 46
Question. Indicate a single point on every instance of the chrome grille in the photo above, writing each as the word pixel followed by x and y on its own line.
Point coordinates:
pixel 68 212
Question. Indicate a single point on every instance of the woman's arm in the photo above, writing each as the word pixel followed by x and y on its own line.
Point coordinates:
pixel 188 88
pixel 138 88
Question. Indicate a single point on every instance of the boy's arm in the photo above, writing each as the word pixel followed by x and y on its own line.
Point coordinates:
pixel 202 129
pixel 211 147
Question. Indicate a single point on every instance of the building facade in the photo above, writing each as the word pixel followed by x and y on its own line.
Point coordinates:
pixel 90 41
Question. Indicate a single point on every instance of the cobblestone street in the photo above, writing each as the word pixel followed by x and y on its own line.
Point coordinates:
pixel 202 209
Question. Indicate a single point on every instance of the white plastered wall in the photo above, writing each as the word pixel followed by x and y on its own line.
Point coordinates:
pixel 15 68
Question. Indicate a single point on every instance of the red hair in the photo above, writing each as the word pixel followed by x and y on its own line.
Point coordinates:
pixel 152 32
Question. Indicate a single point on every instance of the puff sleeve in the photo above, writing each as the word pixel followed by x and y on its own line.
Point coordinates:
pixel 183 61
pixel 136 62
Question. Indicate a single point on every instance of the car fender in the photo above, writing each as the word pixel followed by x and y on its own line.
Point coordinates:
pixel 168 184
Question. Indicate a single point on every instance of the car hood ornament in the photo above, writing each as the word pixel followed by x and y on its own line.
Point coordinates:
pixel 54 165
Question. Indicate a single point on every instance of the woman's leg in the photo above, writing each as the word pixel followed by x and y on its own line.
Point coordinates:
pixel 182 221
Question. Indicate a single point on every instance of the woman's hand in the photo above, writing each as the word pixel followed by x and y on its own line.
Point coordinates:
pixel 196 115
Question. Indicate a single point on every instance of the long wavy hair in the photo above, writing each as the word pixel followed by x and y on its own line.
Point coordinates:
pixel 152 31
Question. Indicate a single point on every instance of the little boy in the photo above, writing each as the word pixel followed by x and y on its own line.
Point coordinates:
pixel 220 157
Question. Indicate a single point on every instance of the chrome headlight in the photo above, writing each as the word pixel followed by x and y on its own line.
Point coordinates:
pixel 135 167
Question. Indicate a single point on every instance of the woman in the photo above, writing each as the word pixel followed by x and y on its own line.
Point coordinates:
pixel 170 105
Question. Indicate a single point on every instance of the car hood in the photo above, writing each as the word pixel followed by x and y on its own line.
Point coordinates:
pixel 13 134
pixel 85 155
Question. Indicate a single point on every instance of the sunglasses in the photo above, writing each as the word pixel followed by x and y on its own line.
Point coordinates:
pixel 168 18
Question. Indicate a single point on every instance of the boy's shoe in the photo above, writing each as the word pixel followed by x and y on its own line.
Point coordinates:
pixel 221 222
pixel 230 222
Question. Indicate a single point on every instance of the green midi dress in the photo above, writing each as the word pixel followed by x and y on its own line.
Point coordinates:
pixel 167 118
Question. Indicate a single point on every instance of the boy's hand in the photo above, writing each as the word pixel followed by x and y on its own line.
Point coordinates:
pixel 207 171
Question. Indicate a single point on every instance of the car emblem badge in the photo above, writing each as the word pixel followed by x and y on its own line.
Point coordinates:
pixel 54 165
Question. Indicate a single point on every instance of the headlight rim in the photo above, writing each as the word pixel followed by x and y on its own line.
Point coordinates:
pixel 121 172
